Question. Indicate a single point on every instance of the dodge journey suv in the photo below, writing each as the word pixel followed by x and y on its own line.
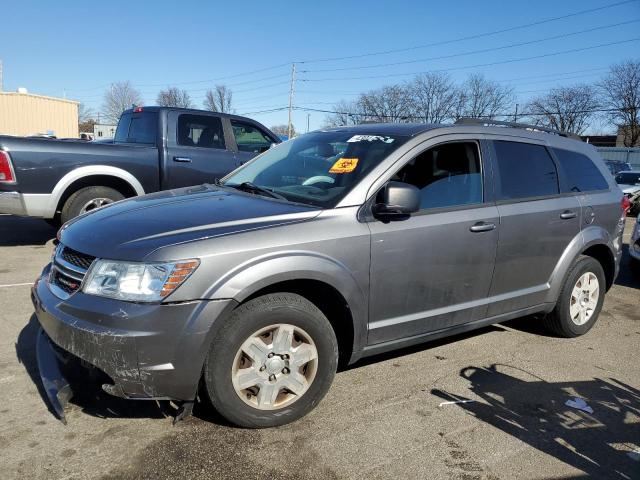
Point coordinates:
pixel 336 245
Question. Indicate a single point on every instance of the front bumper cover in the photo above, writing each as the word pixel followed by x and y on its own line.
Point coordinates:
pixel 149 351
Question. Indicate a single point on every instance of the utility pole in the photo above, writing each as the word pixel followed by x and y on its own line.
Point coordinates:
pixel 308 117
pixel 515 115
pixel 291 92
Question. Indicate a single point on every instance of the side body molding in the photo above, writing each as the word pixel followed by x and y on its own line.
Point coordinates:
pixel 263 271
pixel 589 236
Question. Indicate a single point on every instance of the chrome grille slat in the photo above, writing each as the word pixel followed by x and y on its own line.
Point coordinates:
pixel 68 271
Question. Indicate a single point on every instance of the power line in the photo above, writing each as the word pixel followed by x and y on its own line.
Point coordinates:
pixel 474 52
pixel 470 37
pixel 513 60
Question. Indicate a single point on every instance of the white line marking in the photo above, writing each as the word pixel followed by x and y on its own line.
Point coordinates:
pixel 16 285
pixel 457 401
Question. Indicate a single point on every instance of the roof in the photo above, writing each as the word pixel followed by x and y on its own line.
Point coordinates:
pixel 44 97
pixel 406 129
pixel 194 111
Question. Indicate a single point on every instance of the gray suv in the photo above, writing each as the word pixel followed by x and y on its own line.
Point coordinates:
pixel 328 248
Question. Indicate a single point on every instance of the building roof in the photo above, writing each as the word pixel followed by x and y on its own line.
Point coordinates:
pixel 44 97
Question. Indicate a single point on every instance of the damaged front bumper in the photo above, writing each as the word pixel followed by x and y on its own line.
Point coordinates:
pixel 148 351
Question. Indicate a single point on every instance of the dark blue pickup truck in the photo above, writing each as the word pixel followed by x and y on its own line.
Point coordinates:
pixel 155 148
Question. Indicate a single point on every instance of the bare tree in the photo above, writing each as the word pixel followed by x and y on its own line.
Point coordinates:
pixel 283 130
pixel 483 98
pixel 345 113
pixel 119 97
pixel 620 91
pixel 391 103
pixel 569 109
pixel 85 113
pixel 433 97
pixel 174 97
pixel 219 100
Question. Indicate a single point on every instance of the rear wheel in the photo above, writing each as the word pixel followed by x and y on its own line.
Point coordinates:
pixel 580 300
pixel 272 362
pixel 88 199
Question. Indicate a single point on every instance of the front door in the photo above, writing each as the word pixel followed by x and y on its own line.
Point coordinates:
pixel 197 152
pixel 536 224
pixel 433 270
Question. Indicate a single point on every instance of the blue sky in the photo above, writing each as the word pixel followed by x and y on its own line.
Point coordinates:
pixel 77 48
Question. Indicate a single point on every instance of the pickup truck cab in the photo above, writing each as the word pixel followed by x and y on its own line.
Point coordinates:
pixel 155 148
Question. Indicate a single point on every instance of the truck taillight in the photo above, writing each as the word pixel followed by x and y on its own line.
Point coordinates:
pixel 625 203
pixel 6 169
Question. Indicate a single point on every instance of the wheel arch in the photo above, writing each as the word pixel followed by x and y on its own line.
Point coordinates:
pixel 593 241
pixel 321 280
pixel 97 175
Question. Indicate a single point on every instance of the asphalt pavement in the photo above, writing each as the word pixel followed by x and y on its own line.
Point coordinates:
pixel 486 405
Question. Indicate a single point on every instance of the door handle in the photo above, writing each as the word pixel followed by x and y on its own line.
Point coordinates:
pixel 182 159
pixel 567 214
pixel 482 227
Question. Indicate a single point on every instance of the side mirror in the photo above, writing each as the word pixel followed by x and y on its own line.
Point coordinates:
pixel 397 201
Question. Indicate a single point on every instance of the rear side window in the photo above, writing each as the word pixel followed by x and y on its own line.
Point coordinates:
pixel 137 128
pixel 447 175
pixel 200 131
pixel 250 138
pixel 525 170
pixel 579 174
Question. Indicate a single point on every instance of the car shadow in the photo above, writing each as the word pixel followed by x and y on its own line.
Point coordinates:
pixel 88 395
pixel 627 276
pixel 534 411
pixel 15 231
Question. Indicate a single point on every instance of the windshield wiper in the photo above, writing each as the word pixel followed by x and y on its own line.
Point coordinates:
pixel 253 188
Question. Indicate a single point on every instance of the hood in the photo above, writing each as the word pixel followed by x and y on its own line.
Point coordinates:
pixel 133 228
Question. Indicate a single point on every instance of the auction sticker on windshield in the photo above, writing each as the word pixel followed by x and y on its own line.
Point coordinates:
pixel 344 165
pixel 370 138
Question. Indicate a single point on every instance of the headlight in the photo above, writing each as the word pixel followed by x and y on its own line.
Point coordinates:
pixel 137 282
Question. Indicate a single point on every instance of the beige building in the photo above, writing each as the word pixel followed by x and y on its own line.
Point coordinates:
pixel 27 114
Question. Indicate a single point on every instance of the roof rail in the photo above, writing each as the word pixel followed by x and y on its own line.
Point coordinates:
pixel 524 126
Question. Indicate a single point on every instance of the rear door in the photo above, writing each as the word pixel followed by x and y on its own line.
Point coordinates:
pixel 197 151
pixel 537 223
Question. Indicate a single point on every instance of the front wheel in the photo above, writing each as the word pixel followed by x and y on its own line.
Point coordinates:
pixel 580 299
pixel 272 361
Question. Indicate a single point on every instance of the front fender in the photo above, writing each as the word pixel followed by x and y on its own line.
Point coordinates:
pixel 589 236
pixel 264 271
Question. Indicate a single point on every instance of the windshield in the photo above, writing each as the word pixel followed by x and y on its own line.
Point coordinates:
pixel 628 178
pixel 317 168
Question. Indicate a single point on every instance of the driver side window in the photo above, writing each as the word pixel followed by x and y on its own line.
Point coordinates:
pixel 447 175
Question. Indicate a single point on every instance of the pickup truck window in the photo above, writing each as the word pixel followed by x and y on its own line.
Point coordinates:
pixel 250 138
pixel 139 127
pixel 200 131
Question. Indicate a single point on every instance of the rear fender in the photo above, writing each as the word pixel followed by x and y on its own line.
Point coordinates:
pixel 589 236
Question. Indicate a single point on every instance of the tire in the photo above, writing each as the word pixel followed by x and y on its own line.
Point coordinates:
pixel 561 321
pixel 80 201
pixel 293 313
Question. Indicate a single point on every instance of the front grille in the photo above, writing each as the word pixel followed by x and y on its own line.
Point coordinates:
pixel 76 258
pixel 68 270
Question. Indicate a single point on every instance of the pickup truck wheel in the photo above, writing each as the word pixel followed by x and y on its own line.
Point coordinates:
pixel 87 199
pixel 580 300
pixel 272 361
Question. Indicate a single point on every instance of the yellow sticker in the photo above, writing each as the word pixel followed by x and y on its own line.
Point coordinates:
pixel 344 165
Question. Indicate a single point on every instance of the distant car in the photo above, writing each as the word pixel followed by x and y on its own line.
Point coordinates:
pixel 629 183
pixel 617 166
